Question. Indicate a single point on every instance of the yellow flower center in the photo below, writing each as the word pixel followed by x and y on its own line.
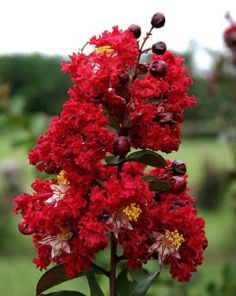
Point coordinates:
pixel 63 236
pixel 61 179
pixel 174 239
pixel 104 49
pixel 132 212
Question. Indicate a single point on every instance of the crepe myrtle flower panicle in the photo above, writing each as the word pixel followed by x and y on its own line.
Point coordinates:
pixel 99 192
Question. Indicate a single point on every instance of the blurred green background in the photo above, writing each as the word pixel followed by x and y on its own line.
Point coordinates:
pixel 32 90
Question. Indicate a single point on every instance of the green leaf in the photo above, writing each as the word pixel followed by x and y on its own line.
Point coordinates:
pixel 134 282
pixel 123 284
pixel 114 123
pixel 100 182
pixel 113 160
pixel 51 278
pixel 142 286
pixel 57 275
pixel 95 290
pixel 149 178
pixel 64 293
pixel 160 185
pixel 157 184
pixel 148 157
pixel 138 274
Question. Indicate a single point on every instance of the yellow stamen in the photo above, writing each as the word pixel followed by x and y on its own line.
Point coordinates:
pixel 132 212
pixel 174 239
pixel 104 49
pixel 63 236
pixel 61 178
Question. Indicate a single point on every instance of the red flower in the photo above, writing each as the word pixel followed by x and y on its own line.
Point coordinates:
pixel 183 237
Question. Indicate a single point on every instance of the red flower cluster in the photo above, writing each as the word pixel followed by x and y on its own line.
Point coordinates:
pixel 116 103
pixel 156 106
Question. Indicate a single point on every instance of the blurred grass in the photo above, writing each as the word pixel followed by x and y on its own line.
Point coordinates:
pixel 18 276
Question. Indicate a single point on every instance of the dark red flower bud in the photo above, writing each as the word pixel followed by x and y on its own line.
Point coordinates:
pixel 124 78
pixel 178 167
pixel 50 168
pixel 158 69
pixel 24 227
pixel 177 184
pixel 136 30
pixel 159 48
pixel 121 146
pixel 158 20
pixel 230 36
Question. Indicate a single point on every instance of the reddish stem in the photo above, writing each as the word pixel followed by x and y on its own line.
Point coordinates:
pixel 113 266
pixel 82 49
pixel 141 51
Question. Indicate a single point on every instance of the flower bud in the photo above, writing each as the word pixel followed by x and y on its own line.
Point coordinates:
pixel 124 78
pixel 159 48
pixel 51 168
pixel 136 30
pixel 230 36
pixel 121 146
pixel 158 20
pixel 158 69
pixel 177 184
pixel 178 167
pixel 24 227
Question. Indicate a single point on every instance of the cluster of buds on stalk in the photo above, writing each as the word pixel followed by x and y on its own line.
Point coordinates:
pixel 107 184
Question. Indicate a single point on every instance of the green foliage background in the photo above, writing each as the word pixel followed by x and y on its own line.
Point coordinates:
pixel 37 79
